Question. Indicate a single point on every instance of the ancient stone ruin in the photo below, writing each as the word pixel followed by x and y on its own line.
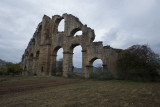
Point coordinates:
pixel 40 55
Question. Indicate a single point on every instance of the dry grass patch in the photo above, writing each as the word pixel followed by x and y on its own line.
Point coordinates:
pixel 88 93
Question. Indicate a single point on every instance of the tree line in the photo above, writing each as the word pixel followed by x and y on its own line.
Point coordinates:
pixel 138 62
pixel 10 69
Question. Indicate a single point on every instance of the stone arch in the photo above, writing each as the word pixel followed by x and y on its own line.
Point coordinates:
pixel 59 54
pixel 55 50
pixel 91 61
pixel 97 65
pixel 73 46
pixel 104 64
pixel 77 43
pixel 76 30
pixel 55 40
pixel 57 22
pixel 61 25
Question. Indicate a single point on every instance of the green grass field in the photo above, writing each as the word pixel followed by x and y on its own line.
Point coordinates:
pixel 64 92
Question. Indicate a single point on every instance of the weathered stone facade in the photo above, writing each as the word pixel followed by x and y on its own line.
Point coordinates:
pixel 40 55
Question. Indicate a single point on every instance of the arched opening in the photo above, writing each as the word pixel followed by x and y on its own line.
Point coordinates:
pixel 98 65
pixel 61 25
pixel 59 62
pixel 77 59
pixel 76 32
pixel 79 33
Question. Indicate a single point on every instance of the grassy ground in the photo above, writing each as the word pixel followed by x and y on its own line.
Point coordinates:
pixel 63 92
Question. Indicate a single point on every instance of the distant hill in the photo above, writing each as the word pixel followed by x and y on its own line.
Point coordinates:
pixel 79 70
pixel 2 62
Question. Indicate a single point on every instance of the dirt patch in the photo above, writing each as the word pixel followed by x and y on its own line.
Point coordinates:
pixel 24 85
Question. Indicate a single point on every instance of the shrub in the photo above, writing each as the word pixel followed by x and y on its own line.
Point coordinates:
pixel 13 69
pixel 58 73
pixel 101 75
pixel 3 70
pixel 138 63
pixel 35 74
pixel 10 69
pixel 1 73
pixel 72 75
pixel 82 77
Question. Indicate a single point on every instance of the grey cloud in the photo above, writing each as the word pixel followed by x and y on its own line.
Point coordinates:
pixel 135 27
pixel 11 54
pixel 116 23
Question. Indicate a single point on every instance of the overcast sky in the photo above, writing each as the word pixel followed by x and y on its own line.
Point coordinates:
pixel 118 23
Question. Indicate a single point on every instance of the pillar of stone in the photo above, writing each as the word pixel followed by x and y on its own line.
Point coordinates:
pixel 44 60
pixel 84 58
pixel 30 66
pixel 89 69
pixel 67 63
pixel 52 70
pixel 34 66
pixel 26 64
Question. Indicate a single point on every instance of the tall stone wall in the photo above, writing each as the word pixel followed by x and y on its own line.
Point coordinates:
pixel 40 55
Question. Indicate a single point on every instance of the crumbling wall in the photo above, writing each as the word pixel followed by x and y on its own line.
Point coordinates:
pixel 40 55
